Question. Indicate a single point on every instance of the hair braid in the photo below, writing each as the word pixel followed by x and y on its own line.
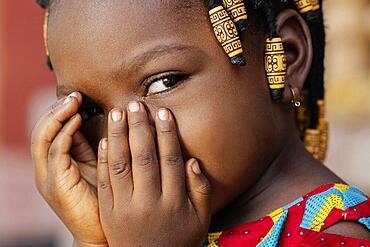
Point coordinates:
pixel 270 16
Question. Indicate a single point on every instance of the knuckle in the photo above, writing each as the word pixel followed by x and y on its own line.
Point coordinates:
pixel 104 185
pixel 145 160
pixel 167 132
pixel 119 168
pixel 117 132
pixel 172 159
pixel 204 189
pixel 137 123
pixel 103 161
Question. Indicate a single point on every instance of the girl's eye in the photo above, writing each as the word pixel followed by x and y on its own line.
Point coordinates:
pixel 90 111
pixel 162 83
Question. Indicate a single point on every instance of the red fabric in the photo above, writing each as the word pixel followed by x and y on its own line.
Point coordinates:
pixel 252 233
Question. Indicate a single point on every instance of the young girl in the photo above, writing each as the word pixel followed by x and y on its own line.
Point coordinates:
pixel 180 129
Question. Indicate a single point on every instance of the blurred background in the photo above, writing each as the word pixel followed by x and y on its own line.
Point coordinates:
pixel 27 87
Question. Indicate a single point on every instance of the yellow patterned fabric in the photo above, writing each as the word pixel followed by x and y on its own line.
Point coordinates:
pixel 212 239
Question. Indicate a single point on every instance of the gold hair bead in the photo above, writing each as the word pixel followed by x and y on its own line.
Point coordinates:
pixel 303 6
pixel 226 32
pixel 312 142
pixel 275 67
pixel 238 13
pixel 323 127
pixel 308 8
pixel 315 5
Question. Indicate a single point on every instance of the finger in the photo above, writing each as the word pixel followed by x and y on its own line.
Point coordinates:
pixel 85 156
pixel 119 157
pixel 47 128
pixel 170 157
pixel 59 158
pixel 199 189
pixel 81 149
pixel 145 169
pixel 105 195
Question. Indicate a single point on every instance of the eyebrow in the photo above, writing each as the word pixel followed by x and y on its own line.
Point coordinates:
pixel 133 63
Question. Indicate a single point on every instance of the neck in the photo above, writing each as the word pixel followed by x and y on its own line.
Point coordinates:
pixel 284 181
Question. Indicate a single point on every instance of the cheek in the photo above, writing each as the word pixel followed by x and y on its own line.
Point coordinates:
pixel 231 136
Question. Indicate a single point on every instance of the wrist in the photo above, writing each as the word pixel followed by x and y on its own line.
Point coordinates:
pixel 77 243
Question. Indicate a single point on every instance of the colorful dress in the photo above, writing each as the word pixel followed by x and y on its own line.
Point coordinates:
pixel 301 222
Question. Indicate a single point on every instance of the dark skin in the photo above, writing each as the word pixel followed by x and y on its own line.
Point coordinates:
pixel 245 144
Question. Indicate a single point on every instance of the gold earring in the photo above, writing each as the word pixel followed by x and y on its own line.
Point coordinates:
pixel 296 96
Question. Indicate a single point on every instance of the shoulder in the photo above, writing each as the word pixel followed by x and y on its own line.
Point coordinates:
pixel 340 209
pixel 349 229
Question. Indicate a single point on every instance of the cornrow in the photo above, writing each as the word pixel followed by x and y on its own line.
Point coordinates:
pixel 270 18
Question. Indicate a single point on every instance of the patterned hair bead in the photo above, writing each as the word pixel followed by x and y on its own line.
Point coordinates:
pixel 238 13
pixel 308 8
pixel 275 66
pixel 226 32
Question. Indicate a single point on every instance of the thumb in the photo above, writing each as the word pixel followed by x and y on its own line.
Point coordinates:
pixel 199 189
pixel 84 155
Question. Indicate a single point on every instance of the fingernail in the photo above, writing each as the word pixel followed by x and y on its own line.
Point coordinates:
pixel 163 114
pixel 70 97
pixel 67 100
pixel 74 94
pixel 133 106
pixel 195 167
pixel 116 115
pixel 104 144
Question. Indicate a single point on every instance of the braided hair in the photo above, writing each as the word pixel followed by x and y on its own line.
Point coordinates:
pixel 310 117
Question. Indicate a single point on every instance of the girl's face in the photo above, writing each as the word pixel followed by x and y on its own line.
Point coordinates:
pixel 164 53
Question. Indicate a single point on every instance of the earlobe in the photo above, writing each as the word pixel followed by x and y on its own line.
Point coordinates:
pixel 297 41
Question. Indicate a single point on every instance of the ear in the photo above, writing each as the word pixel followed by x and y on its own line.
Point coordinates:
pixel 297 41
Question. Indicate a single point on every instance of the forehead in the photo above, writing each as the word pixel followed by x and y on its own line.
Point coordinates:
pixel 93 35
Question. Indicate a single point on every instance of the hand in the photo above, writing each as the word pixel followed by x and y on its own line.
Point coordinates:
pixel 58 177
pixel 145 201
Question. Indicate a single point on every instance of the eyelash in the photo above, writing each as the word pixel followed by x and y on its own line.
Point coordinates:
pixel 173 78
pixel 170 80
